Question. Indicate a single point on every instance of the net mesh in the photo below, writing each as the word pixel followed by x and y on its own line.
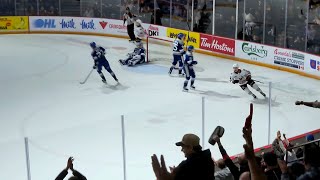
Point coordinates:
pixel 159 49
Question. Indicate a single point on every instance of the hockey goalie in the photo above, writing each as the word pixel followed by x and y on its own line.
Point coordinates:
pixel 136 57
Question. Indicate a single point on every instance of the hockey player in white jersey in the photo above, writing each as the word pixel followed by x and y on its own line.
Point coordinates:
pixel 243 77
pixel 139 31
pixel 136 57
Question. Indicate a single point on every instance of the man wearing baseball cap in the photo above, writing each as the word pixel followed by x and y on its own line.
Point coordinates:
pixel 198 165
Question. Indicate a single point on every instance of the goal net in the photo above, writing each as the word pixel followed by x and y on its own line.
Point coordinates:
pixel 159 49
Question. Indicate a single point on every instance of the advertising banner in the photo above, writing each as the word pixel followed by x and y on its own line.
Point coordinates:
pixel 14 23
pixel 289 58
pixel 43 23
pixel 312 64
pixel 112 26
pixel 217 44
pixel 194 38
pixel 254 51
pixel 154 30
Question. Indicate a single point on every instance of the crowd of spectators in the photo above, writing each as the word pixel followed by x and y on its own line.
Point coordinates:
pixel 91 9
pixel 298 34
pixel 284 161
pixel 7 7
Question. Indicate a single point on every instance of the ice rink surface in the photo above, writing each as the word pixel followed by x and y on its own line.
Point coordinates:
pixel 41 99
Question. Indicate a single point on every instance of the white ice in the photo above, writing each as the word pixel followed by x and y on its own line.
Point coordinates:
pixel 41 99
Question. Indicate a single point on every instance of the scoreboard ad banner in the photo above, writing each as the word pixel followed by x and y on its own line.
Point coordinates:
pixel 14 23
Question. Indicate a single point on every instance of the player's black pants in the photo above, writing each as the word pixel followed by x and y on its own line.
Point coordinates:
pixel 250 82
pixel 130 29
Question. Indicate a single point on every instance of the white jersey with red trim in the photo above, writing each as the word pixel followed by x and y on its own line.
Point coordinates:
pixel 241 76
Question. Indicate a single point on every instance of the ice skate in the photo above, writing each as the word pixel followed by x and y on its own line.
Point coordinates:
pixel 254 96
pixel 185 89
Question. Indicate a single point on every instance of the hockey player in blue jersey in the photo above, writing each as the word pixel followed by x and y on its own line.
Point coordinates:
pixel 188 68
pixel 178 52
pixel 98 55
pixel 136 57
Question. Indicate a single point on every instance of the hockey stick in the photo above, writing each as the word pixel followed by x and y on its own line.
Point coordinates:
pixel 87 77
pixel 188 33
pixel 258 81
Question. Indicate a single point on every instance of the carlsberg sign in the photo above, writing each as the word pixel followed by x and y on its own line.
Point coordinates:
pixel 254 50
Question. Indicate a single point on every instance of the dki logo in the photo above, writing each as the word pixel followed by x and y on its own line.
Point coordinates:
pixel 253 50
pixel 153 31
pixel 87 25
pixel 67 24
pixel 46 23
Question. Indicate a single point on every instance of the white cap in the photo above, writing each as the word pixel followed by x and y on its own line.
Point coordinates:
pixel 235 66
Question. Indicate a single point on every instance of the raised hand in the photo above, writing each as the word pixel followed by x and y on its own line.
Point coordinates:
pixel 249 118
pixel 160 170
pixel 70 163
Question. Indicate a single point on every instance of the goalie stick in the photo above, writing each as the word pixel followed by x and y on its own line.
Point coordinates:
pixel 85 80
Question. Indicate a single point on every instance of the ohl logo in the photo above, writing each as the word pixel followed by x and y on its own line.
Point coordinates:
pixel 46 23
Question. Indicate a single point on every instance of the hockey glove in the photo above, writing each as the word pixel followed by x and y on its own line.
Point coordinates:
pixel 194 62
pixel 235 81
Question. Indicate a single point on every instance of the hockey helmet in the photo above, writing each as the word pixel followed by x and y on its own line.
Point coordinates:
pixel 190 48
pixel 235 66
pixel 180 36
pixel 93 45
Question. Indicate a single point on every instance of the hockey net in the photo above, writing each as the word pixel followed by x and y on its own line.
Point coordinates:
pixel 159 49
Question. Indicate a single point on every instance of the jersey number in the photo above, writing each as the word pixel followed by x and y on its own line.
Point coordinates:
pixel 99 53
pixel 175 45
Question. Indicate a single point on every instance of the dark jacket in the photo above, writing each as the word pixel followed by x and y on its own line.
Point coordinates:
pixel 64 173
pixel 312 174
pixel 198 166
pixel 229 163
pixel 274 174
